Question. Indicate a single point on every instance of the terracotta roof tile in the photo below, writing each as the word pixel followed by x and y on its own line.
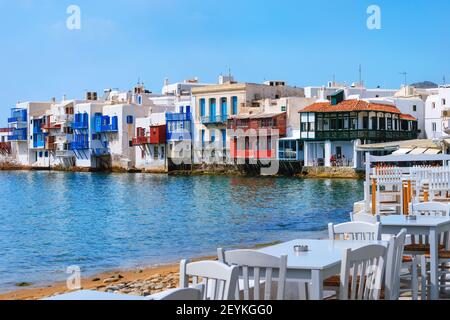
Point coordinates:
pixel 349 106
pixel 407 117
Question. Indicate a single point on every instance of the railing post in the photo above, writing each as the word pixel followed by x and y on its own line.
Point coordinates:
pixel 374 197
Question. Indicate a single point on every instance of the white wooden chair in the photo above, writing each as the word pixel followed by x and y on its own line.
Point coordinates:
pixel 219 280
pixel 257 269
pixel 439 183
pixel 436 209
pixel 184 294
pixel 355 231
pixel 362 273
pixel 389 186
pixel 362 231
pixel 394 265
pixel 364 217
pixel 189 294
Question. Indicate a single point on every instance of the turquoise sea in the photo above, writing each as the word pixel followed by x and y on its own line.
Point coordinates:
pixel 99 222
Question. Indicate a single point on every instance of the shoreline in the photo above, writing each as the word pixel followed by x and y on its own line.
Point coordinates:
pixel 164 276
pixel 138 281
pixel 337 173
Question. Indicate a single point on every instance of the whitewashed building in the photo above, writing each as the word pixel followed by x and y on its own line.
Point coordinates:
pixel 27 139
pixel 150 143
pixel 437 114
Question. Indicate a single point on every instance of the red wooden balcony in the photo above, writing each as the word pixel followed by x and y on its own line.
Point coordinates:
pixel 50 143
pixel 5 148
pixel 50 126
pixel 157 135
pixel 139 141
pixel 253 154
pixel 266 123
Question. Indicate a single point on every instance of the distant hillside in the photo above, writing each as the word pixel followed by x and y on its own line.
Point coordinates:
pixel 424 85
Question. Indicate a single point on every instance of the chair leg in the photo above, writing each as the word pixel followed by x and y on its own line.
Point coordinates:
pixel 443 279
pixel 414 279
pixel 424 276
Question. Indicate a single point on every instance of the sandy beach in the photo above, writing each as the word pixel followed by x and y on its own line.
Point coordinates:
pixel 142 282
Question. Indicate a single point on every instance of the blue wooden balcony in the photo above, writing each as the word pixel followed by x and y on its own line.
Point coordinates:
pixel 105 124
pixel 79 145
pixel 81 121
pixel 179 135
pixel 178 117
pixel 18 115
pixel 221 119
pixel 18 135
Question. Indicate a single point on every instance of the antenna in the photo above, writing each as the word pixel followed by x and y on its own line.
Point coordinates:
pixel 443 80
pixel 405 75
pixel 360 75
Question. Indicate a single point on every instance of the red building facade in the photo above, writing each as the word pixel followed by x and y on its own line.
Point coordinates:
pixel 256 136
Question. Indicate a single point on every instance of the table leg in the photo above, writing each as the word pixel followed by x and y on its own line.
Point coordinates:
pixel 317 285
pixel 434 279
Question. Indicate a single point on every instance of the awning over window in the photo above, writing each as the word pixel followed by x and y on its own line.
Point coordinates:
pixel 418 151
pixel 433 151
pixel 402 151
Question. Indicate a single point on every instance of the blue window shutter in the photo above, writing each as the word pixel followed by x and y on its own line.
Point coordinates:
pixel 224 137
pixel 234 105
pixel 202 107
pixel 212 108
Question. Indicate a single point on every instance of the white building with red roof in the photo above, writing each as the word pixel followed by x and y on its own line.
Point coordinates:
pixel 331 131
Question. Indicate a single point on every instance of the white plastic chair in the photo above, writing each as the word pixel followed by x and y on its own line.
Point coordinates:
pixel 257 269
pixel 355 231
pixel 362 273
pixel 219 280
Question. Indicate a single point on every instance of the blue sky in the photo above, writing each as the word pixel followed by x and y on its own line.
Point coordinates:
pixel 302 42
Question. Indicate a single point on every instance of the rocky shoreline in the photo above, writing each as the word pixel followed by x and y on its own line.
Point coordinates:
pixel 140 282
pixel 304 173
pixel 154 284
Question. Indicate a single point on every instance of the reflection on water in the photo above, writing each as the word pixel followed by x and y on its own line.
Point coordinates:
pixel 52 220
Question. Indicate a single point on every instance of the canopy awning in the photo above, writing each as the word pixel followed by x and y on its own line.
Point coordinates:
pixel 418 151
pixel 402 151
pixel 433 151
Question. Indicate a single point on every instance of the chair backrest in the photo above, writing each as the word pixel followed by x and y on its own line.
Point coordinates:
pixel 394 262
pixel 219 280
pixel 362 273
pixel 364 217
pixel 260 268
pixel 184 294
pixel 439 179
pixel 437 209
pixel 433 209
pixel 355 231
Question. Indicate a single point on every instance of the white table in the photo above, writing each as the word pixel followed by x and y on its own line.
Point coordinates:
pixel 424 225
pixel 322 261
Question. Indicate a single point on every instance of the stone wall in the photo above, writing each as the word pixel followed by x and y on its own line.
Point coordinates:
pixel 331 172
